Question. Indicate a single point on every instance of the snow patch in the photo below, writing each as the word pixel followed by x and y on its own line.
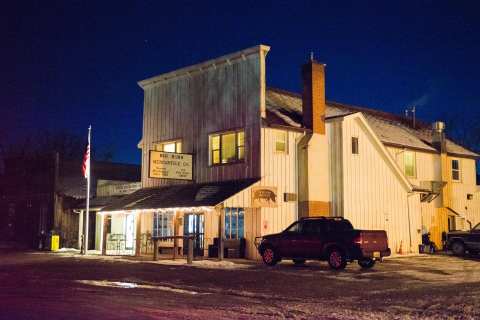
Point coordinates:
pixel 133 285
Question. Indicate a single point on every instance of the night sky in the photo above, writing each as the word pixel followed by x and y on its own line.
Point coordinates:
pixel 66 64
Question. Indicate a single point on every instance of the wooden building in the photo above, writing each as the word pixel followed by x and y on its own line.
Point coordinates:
pixel 39 194
pixel 225 156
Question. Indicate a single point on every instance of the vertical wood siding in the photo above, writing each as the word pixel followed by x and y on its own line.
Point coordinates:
pixel 373 196
pixel 278 170
pixel 191 107
pixel 433 218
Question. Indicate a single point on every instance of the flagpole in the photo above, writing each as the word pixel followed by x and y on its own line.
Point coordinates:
pixel 87 209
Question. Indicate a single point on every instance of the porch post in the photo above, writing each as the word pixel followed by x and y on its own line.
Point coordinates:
pixel 104 234
pixel 221 231
pixel 80 230
pixel 138 234
pixel 175 233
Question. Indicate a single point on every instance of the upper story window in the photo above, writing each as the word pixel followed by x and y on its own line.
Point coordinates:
pixel 355 145
pixel 455 170
pixel 409 164
pixel 281 141
pixel 169 146
pixel 227 147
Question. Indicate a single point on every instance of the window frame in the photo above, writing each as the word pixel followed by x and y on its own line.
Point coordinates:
pixel 238 147
pixel 177 142
pixel 285 141
pixel 357 144
pixel 234 212
pixel 459 170
pixel 414 155
pixel 166 223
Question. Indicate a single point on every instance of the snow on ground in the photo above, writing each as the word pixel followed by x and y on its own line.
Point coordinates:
pixel 203 263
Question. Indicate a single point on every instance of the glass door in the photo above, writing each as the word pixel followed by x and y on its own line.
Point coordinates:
pixel 193 225
pixel 129 231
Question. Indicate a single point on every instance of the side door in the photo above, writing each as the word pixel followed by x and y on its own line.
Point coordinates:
pixel 290 240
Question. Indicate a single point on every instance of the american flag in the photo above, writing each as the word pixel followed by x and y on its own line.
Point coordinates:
pixel 86 161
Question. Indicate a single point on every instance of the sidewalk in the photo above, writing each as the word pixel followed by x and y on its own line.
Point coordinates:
pixel 198 262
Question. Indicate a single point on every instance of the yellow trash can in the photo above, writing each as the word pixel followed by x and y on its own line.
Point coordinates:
pixel 55 243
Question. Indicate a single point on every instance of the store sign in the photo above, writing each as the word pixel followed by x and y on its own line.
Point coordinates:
pixel 264 197
pixel 112 188
pixel 168 165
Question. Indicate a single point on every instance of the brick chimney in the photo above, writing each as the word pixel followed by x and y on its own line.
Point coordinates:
pixel 313 96
pixel 313 148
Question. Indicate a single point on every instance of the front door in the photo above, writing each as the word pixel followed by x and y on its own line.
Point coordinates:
pixel 193 225
pixel 129 231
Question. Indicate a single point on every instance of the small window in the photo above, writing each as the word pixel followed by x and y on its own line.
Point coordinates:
pixel 456 170
pixel 234 223
pixel 281 141
pixel 409 161
pixel 354 145
pixel 169 146
pixel 227 147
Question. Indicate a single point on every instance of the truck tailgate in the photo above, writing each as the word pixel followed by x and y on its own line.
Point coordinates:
pixel 373 240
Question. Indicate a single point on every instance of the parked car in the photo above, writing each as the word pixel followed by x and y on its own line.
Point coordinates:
pixel 324 238
pixel 464 241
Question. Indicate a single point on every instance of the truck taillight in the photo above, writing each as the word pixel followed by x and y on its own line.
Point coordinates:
pixel 358 239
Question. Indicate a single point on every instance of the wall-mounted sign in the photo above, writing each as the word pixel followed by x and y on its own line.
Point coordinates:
pixel 115 189
pixel 168 165
pixel 264 197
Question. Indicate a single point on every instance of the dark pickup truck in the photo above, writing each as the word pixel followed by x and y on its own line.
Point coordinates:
pixel 333 239
pixel 462 241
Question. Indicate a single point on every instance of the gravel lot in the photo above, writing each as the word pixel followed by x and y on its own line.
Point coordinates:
pixel 37 285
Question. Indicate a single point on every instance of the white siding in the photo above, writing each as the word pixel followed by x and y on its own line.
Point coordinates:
pixel 374 198
pixel 278 170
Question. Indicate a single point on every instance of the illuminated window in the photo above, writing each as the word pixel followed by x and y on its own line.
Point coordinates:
pixel 409 161
pixel 234 223
pixel 162 224
pixel 228 147
pixel 281 141
pixel 169 146
pixel 354 145
pixel 455 169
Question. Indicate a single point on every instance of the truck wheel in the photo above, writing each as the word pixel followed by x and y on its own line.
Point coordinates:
pixel 337 259
pixel 299 262
pixel 458 248
pixel 366 263
pixel 269 256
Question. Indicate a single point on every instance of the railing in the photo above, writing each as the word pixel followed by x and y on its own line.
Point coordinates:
pixel 189 239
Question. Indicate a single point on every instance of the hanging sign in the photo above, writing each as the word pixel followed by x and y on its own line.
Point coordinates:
pixel 169 165
pixel 264 197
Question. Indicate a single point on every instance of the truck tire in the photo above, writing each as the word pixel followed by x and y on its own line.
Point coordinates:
pixel 299 262
pixel 337 259
pixel 269 256
pixel 366 263
pixel 458 248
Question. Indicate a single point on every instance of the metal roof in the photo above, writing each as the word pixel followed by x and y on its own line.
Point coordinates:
pixel 284 108
pixel 180 195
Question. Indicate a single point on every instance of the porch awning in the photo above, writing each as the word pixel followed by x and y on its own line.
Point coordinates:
pixel 180 195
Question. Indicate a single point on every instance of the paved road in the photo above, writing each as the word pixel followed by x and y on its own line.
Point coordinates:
pixel 68 286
